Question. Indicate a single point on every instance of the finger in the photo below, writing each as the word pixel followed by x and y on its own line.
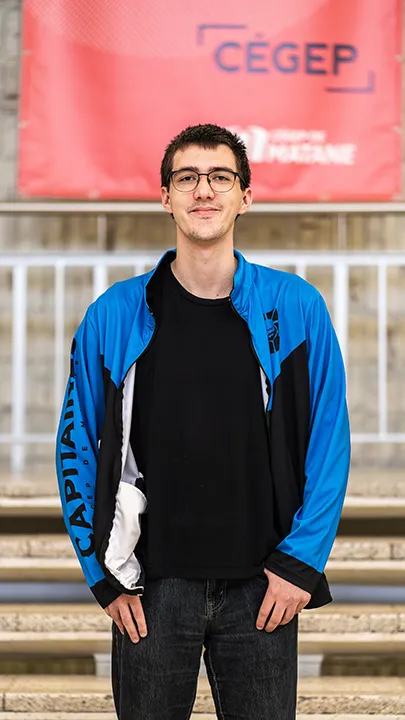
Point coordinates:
pixel 276 617
pixel 117 619
pixel 129 624
pixel 138 614
pixel 287 617
pixel 264 612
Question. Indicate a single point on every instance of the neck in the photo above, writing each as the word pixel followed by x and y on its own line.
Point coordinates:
pixel 205 272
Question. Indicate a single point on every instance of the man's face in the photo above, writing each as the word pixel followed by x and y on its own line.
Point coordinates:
pixel 203 215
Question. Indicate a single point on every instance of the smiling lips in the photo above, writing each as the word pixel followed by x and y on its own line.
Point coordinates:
pixel 204 210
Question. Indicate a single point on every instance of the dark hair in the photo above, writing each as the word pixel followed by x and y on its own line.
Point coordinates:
pixel 207 136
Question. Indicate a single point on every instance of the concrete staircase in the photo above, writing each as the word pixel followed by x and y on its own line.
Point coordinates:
pixel 34 631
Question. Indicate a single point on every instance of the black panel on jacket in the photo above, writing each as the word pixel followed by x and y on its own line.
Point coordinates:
pixel 108 468
pixel 104 593
pixel 288 423
pixel 303 576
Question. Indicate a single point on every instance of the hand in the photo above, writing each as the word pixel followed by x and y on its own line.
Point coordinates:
pixel 123 611
pixel 283 600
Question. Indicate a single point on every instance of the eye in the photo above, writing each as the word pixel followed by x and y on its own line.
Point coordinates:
pixel 222 178
pixel 185 178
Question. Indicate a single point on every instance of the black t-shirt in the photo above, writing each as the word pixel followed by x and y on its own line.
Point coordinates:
pixel 199 438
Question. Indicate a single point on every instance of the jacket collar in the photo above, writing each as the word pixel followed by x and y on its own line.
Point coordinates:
pixel 242 280
pixel 242 284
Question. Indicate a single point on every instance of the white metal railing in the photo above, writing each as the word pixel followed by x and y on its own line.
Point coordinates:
pixel 138 262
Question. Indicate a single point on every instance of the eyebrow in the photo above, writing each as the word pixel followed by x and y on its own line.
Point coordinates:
pixel 194 168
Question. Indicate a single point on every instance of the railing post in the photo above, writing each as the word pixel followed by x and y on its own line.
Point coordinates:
pixel 19 351
pixel 139 269
pixel 99 280
pixel 341 305
pixel 301 270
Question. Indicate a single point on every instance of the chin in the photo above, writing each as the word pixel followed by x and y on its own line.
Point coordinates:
pixel 206 232
pixel 199 237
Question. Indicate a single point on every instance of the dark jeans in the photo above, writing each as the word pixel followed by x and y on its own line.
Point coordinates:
pixel 252 673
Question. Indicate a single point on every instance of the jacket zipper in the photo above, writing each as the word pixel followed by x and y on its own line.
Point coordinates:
pixel 151 339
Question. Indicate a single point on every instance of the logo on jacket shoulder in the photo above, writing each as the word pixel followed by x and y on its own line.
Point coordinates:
pixel 273 334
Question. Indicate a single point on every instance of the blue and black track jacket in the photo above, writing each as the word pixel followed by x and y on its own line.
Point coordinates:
pixel 303 384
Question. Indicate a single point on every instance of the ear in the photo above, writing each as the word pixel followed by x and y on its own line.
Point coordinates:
pixel 164 192
pixel 246 201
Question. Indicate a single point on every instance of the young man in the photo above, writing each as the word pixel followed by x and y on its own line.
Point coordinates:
pixel 203 455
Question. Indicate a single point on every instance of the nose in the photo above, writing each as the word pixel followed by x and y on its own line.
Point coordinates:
pixel 203 189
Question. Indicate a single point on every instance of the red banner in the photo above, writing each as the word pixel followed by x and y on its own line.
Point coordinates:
pixel 313 87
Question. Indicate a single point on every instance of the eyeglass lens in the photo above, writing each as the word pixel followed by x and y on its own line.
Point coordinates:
pixel 187 180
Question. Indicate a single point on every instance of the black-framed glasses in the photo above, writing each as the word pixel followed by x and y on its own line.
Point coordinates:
pixel 219 180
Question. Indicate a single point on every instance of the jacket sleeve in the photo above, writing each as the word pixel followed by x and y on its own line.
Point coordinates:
pixel 76 454
pixel 301 557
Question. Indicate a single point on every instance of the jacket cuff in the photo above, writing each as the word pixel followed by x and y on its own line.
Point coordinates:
pixel 104 593
pixel 293 570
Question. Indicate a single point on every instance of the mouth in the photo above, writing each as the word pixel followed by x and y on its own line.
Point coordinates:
pixel 204 212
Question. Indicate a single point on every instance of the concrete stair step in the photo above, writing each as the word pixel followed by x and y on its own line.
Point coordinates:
pixel 59 546
pixel 84 629
pixel 112 716
pixel 84 644
pixel 22 569
pixel 45 506
pixel 359 695
pixel 75 644
pixel 89 694
pixel 195 716
pixel 372 482
pixel 52 559
pixel 366 572
pixel 354 507
pixel 390 572
pixel 43 546
pixel 366 547
pixel 373 507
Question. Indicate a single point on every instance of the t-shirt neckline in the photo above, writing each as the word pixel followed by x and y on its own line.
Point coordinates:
pixel 194 298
